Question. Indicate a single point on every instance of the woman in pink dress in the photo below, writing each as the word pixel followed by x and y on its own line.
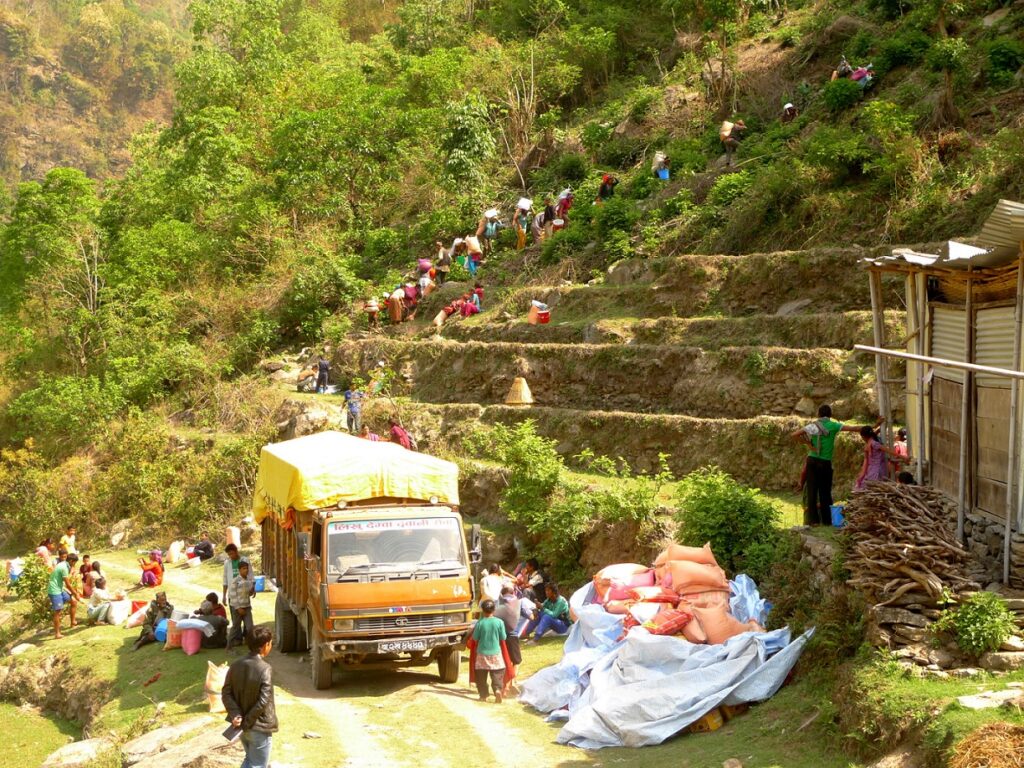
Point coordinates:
pixel 875 466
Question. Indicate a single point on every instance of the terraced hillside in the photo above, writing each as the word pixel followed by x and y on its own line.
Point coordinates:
pixel 710 359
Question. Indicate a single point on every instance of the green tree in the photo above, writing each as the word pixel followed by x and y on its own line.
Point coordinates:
pixel 467 142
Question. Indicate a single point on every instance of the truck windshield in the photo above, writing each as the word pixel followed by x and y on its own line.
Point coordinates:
pixel 377 544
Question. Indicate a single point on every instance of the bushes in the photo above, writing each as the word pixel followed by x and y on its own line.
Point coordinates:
pixel 615 215
pixel 839 150
pixel 839 95
pixel 729 187
pixel 571 167
pixel 903 50
pixel 1004 56
pixel 738 521
pixel 64 412
pixel 320 286
pixel 563 244
pixel 32 586
pixel 980 624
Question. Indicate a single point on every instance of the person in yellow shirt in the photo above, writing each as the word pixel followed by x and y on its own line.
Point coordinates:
pixel 67 541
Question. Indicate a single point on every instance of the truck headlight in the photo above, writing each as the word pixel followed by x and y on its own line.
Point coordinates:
pixel 343 625
pixel 455 618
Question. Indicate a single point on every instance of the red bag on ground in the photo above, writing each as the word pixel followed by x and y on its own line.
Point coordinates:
pixel 668 622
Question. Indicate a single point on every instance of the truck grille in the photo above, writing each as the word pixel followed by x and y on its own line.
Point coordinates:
pixel 403 621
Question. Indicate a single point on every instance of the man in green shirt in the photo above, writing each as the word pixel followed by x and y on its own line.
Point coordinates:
pixel 820 438
pixel 62 592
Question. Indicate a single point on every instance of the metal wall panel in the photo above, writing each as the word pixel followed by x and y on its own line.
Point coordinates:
pixel 993 344
pixel 947 340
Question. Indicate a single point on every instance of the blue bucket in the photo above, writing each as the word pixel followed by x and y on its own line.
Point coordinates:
pixel 261 583
pixel 160 632
pixel 838 521
pixel 663 174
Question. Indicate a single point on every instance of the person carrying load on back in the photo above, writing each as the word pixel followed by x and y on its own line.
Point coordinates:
pixel 443 265
pixel 729 133
pixel 659 165
pixel 521 221
pixel 607 188
pixel 474 254
pixel 789 112
pixel 487 230
pixel 565 201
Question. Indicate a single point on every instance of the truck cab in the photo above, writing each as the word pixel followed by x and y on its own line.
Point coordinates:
pixel 369 583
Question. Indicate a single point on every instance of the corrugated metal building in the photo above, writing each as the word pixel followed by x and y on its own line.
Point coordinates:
pixel 964 306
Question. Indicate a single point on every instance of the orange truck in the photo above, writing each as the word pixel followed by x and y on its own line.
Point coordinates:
pixel 365 543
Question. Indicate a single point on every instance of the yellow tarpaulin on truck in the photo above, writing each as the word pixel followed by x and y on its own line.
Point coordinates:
pixel 320 470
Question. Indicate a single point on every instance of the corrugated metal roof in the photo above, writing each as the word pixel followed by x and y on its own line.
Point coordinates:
pixel 1004 228
pixel 998 244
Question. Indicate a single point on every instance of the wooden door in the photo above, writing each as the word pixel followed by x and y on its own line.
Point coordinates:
pixel 946 397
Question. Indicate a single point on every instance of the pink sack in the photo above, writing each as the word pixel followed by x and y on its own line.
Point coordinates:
pixel 613 582
pixel 137 618
pixel 191 641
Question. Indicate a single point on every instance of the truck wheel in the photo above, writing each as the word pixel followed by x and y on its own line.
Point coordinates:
pixel 286 626
pixel 322 668
pixel 448 664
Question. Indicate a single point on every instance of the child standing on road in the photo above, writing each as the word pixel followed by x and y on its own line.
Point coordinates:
pixel 489 635
pixel 241 589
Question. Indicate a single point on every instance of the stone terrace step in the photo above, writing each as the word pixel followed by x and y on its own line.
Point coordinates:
pixel 834 330
pixel 736 382
pixel 692 286
pixel 756 451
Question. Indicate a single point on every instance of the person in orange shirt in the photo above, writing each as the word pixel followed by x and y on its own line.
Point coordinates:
pixel 152 571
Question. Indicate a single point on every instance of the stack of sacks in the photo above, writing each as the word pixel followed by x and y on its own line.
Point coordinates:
pixel 686 593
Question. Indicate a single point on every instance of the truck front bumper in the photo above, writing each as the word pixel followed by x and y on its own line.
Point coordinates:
pixel 383 646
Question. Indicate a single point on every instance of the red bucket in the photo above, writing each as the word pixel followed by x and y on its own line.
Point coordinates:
pixel 137 604
pixel 557 224
pixel 544 316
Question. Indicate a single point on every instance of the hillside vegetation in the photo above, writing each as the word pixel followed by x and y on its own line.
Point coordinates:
pixel 315 148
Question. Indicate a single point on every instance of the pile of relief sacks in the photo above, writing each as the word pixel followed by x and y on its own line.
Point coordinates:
pixel 686 593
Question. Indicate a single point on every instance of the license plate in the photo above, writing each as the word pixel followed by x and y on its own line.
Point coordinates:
pixel 397 646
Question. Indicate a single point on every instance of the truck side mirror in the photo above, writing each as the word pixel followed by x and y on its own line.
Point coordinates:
pixel 476 550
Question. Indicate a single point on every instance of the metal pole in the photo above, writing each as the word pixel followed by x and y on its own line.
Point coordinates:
pixel 942 361
pixel 926 336
pixel 919 347
pixel 875 284
pixel 965 408
pixel 1011 462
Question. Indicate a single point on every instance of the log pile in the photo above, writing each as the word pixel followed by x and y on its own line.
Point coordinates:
pixel 905 559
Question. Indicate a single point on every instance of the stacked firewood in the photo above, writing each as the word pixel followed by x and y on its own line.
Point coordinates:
pixel 904 558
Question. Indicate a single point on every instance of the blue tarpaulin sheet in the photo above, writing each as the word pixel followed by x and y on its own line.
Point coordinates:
pixel 645 688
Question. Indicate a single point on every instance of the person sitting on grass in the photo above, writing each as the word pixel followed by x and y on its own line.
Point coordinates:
pixel 63 593
pixel 159 609
pixel 211 606
pixel 489 662
pixel 213 613
pixel 99 603
pixel 553 615
pixel 152 570
pixel 204 547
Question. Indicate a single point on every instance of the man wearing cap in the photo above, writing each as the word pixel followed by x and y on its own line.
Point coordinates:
pixel 159 609
pixel 487 230
pixel 240 591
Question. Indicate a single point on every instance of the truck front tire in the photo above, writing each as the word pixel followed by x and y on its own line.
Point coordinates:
pixel 322 668
pixel 448 665
pixel 286 626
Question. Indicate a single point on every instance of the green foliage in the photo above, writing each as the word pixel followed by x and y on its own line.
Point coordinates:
pixel 903 50
pixel 841 151
pixel 728 187
pixel 615 215
pixel 839 95
pixel 949 54
pixel 427 24
pixel 632 498
pixel 32 586
pixel 320 286
pixel 467 141
pixel 643 101
pixel 1004 56
pixel 738 521
pixel 572 167
pixel 565 243
pixel 979 624
pixel 64 412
